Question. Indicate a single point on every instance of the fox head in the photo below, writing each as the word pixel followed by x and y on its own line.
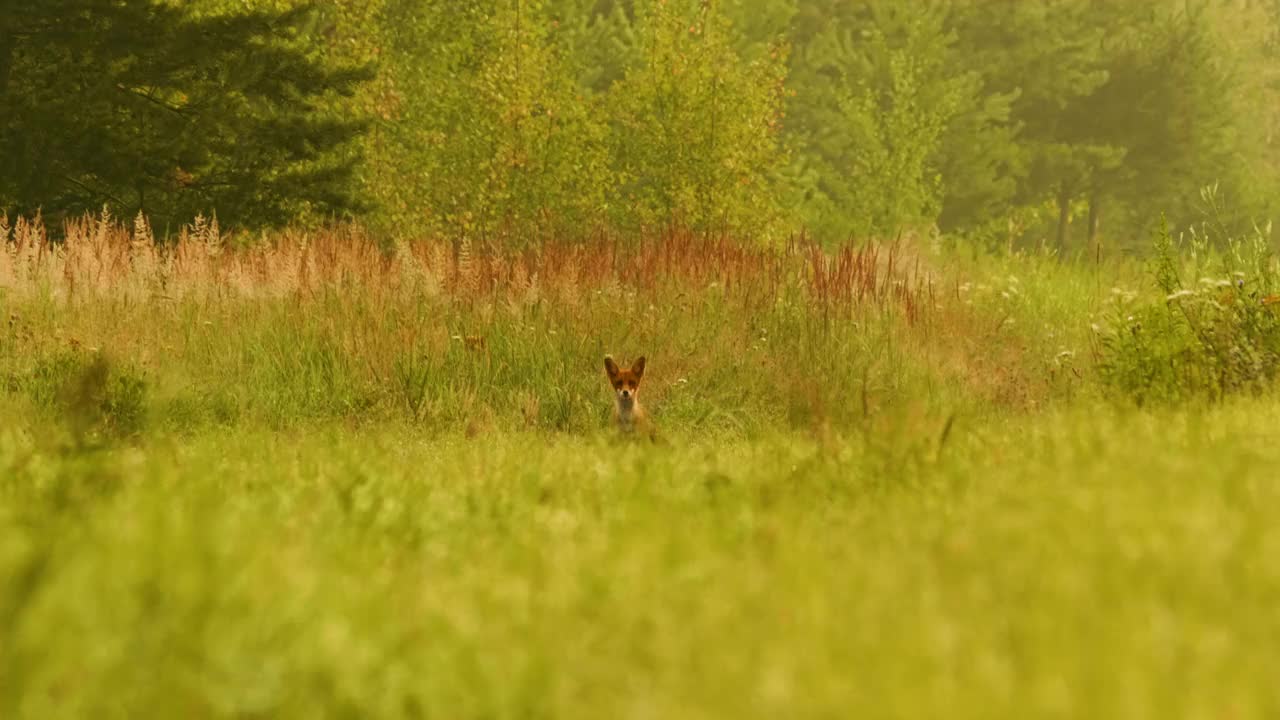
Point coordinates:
pixel 626 383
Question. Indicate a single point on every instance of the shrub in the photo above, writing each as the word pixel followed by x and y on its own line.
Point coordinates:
pixel 95 399
pixel 1208 338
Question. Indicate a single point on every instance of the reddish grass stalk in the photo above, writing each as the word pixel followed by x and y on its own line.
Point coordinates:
pixel 102 257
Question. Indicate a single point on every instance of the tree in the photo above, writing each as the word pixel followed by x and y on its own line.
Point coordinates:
pixel 873 99
pixel 1047 56
pixel 597 39
pixel 1133 107
pixel 145 107
pixel 1189 98
pixel 694 127
pixel 490 135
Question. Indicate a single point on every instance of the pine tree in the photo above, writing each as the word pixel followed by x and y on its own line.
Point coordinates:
pixel 1048 57
pixel 1188 98
pixel 1127 110
pixel 144 106
pixel 873 99
pixel 597 40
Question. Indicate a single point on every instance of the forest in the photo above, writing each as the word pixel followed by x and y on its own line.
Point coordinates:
pixel 1067 124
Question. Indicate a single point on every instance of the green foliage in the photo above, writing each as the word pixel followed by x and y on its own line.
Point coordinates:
pixel 519 121
pixel 1128 108
pixel 149 107
pixel 874 98
pixel 1215 336
pixel 694 128
pixel 537 119
pixel 94 399
pixel 488 134
pixel 979 161
pixel 597 40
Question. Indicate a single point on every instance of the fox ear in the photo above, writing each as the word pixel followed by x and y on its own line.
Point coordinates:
pixel 610 366
pixel 637 367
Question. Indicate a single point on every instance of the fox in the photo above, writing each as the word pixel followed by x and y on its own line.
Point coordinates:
pixel 627 412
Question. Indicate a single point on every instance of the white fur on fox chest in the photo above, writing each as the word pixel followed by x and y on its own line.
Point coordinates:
pixel 626 412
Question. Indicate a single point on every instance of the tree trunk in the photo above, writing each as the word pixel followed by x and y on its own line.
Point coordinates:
pixel 8 46
pixel 8 43
pixel 1064 217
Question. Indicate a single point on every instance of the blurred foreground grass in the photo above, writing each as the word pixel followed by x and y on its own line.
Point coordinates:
pixel 1085 563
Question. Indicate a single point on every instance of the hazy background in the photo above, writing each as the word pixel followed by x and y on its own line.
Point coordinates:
pixel 1066 123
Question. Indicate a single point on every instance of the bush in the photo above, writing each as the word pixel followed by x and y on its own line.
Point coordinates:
pixel 95 399
pixel 1216 336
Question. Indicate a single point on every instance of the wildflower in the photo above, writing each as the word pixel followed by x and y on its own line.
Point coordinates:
pixel 1179 295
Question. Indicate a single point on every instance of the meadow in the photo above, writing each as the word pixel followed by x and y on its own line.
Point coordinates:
pixel 310 474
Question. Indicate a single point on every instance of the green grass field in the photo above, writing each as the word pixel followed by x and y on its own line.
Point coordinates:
pixel 387 488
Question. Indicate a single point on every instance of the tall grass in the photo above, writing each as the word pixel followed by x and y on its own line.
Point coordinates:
pixel 307 326
pixel 1209 329
pixel 306 475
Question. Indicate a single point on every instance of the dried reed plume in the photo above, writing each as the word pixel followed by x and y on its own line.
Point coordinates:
pixel 100 257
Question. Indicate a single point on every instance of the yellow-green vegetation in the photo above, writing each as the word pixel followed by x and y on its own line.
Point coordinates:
pixel 304 306
pixel 312 478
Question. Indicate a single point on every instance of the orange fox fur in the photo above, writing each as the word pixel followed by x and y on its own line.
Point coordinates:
pixel 627 411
